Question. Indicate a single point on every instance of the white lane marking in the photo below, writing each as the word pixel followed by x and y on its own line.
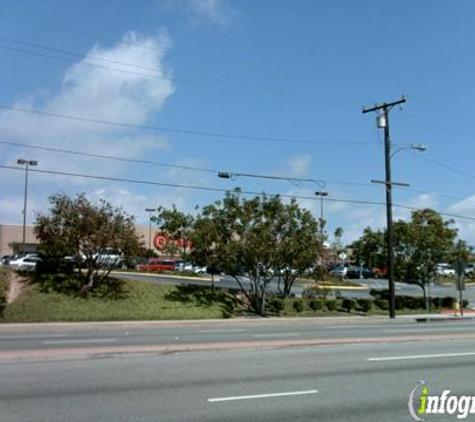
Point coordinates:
pixel 220 331
pixel 351 327
pixel 31 336
pixel 263 396
pixel 429 329
pixel 275 335
pixel 98 340
pixel 442 355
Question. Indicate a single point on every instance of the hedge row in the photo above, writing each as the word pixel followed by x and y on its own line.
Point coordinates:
pixel 278 305
pixel 4 286
pixel 410 302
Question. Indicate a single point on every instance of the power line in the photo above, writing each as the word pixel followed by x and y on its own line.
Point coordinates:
pixel 178 166
pixel 108 157
pixel 181 77
pixel 206 170
pixel 211 189
pixel 179 131
pixel 445 166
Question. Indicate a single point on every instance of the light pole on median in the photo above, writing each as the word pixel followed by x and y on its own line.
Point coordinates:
pixel 150 210
pixel 321 194
pixel 25 163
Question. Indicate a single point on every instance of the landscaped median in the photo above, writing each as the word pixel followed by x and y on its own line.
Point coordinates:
pixel 138 301
pixel 53 301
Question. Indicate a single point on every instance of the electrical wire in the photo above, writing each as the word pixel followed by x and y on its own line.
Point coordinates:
pixel 181 77
pixel 208 170
pixel 211 189
pixel 179 131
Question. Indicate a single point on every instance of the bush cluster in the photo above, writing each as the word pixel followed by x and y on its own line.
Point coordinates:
pixel 4 287
pixel 414 303
pixel 278 305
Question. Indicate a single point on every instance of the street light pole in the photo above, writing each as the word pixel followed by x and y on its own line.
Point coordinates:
pixel 150 210
pixel 321 194
pixel 26 163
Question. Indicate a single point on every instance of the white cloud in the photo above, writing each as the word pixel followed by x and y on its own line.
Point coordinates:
pixel 218 11
pixel 466 227
pixel 130 94
pixel 299 165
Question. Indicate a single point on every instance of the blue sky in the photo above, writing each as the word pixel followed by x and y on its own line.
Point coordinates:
pixel 259 72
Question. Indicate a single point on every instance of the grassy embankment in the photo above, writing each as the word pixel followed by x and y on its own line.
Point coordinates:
pixel 139 301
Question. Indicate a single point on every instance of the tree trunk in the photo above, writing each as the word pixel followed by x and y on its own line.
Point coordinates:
pixel 426 299
pixel 90 282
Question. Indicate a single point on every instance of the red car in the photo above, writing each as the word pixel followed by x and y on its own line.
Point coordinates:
pixel 159 264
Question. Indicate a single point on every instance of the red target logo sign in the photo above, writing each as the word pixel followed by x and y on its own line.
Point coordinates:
pixel 162 240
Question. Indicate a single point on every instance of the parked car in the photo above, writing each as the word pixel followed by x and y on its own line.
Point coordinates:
pixel 159 264
pixel 444 269
pixel 355 271
pixel 339 271
pixel 470 269
pixel 110 257
pixel 5 259
pixel 25 263
pixel 184 266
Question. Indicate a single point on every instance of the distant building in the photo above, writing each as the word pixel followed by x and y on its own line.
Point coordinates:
pixel 11 238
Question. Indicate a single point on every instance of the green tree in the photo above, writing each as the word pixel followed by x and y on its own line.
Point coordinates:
pixel 80 228
pixel 371 249
pixel 178 226
pixel 338 235
pixel 419 245
pixel 205 239
pixel 262 237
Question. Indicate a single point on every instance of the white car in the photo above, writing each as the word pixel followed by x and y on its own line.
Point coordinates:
pixel 445 270
pixel 25 263
pixel 110 258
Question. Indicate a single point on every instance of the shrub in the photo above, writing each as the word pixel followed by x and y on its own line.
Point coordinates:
pixel 348 304
pixel 400 303
pixel 331 304
pixel 413 302
pixel 382 304
pixel 277 305
pixel 315 304
pixel 436 302
pixel 315 291
pixel 380 294
pixel 365 304
pixel 465 303
pixel 298 305
pixel 4 287
pixel 448 302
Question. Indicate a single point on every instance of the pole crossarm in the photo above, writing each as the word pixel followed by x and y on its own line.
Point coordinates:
pixel 384 106
pixel 383 182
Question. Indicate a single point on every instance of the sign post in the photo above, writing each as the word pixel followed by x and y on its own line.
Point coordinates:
pixel 459 267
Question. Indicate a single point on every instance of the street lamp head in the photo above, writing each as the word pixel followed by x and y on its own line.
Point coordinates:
pixel 224 175
pixel 150 209
pixel 22 161
pixel 419 147
pixel 321 193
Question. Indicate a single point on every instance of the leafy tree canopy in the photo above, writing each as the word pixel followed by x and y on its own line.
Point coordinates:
pixel 262 237
pixel 77 227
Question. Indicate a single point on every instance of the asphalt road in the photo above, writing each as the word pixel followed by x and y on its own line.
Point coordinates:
pixel 353 382
pixel 224 333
